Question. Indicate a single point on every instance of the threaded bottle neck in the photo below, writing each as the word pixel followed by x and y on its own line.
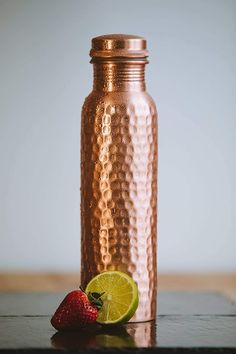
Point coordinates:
pixel 119 75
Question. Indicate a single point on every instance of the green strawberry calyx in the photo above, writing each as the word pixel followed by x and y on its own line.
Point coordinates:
pixel 94 298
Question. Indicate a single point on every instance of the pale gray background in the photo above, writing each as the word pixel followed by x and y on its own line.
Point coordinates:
pixel 45 75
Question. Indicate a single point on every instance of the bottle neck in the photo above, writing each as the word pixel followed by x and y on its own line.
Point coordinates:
pixel 119 75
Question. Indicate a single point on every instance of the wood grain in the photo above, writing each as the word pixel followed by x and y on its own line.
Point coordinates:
pixel 52 282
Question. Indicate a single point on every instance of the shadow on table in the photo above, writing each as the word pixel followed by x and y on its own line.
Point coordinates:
pixel 127 336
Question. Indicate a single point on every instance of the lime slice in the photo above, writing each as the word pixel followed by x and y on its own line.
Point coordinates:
pixel 120 298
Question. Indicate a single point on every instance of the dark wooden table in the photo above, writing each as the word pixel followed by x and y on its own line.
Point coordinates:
pixel 186 323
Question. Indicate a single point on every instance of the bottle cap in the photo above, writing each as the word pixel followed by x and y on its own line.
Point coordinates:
pixel 119 45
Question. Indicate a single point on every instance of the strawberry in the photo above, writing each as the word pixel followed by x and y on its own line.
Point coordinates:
pixel 77 310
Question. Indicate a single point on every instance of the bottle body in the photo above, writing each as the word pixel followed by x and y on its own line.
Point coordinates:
pixel 119 190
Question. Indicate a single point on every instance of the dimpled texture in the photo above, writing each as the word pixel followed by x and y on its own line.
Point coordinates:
pixel 119 191
pixel 74 312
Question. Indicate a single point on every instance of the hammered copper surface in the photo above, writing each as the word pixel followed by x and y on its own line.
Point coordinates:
pixel 119 179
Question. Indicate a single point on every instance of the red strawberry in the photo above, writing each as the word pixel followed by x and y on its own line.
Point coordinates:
pixel 77 310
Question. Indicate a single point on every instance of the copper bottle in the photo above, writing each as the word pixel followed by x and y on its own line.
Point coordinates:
pixel 119 169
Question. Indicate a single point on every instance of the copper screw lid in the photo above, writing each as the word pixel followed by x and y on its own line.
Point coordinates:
pixel 119 45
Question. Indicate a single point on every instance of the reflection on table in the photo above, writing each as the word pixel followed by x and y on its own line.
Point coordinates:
pixel 130 335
